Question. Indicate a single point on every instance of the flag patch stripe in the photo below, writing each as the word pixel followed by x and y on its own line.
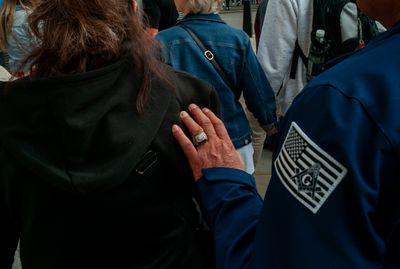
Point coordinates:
pixel 286 172
pixel 316 158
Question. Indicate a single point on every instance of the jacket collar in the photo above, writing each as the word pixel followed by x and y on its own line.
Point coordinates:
pixel 201 17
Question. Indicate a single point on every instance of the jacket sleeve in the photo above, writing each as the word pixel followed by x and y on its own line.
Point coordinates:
pixel 277 41
pixel 231 206
pixel 251 79
pixel 257 92
pixel 8 233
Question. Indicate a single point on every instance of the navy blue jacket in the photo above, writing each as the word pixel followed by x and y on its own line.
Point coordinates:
pixel 234 53
pixel 333 200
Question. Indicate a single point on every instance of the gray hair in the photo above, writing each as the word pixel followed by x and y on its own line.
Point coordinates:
pixel 204 6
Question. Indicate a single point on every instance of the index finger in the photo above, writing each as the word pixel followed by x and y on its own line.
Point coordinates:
pixel 184 142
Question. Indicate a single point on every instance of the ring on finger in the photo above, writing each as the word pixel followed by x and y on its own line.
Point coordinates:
pixel 200 138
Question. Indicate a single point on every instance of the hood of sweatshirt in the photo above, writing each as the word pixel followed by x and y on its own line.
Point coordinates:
pixel 82 133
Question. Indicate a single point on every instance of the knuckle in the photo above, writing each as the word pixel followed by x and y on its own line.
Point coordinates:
pixel 187 144
pixel 205 121
pixel 219 122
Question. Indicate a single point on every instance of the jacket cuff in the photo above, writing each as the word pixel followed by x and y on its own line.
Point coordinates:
pixel 223 174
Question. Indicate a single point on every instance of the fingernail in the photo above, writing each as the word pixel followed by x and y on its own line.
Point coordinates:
pixel 175 128
pixel 192 106
pixel 184 114
pixel 206 110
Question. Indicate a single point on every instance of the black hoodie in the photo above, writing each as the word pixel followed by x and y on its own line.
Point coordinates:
pixel 68 186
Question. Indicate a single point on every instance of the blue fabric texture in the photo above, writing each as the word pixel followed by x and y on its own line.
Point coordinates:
pixel 229 199
pixel 233 51
pixel 20 41
pixel 349 117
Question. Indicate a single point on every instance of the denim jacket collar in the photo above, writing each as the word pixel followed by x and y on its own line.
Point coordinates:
pixel 203 17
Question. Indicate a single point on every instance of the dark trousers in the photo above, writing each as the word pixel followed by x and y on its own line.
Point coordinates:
pixel 228 4
pixel 1 58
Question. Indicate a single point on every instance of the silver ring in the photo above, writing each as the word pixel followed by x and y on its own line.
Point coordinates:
pixel 200 138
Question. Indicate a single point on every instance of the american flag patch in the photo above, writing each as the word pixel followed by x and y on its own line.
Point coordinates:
pixel 308 172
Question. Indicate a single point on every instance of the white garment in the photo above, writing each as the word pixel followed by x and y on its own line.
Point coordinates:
pixel 4 74
pixel 285 21
pixel 246 152
pixel 348 19
pixel 258 134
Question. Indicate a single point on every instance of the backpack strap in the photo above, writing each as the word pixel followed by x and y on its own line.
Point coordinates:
pixel 297 53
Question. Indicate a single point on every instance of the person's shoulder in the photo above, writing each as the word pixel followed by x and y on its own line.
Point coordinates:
pixel 189 86
pixel 362 69
pixel 365 78
pixel 235 31
pixel 184 81
pixel 233 35
pixel 168 34
pixel 189 89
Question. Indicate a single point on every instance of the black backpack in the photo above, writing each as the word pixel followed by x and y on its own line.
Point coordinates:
pixel 326 16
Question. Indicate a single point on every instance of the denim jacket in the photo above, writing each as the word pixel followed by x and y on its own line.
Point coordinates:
pixel 20 41
pixel 234 53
